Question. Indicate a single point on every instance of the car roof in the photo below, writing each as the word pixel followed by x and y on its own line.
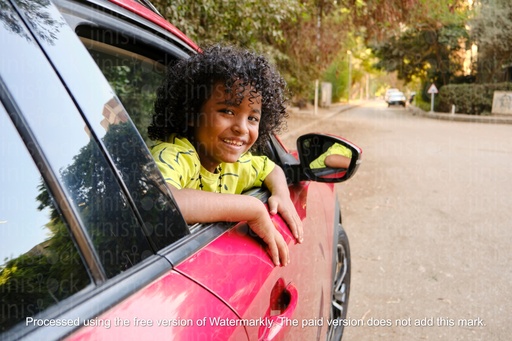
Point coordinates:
pixel 156 18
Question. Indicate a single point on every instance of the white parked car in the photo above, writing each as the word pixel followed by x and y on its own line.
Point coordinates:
pixel 389 92
pixel 397 98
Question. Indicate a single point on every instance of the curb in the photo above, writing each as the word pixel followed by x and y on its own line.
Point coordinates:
pixel 461 117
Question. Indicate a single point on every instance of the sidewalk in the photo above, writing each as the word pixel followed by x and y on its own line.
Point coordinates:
pixel 497 119
pixel 301 120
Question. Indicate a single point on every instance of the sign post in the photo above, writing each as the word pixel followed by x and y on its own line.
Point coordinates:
pixel 432 91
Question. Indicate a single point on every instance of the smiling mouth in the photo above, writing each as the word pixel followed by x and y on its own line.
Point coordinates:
pixel 233 142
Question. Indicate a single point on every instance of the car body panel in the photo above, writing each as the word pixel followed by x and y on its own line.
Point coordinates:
pixel 242 274
pixel 162 311
pixel 137 8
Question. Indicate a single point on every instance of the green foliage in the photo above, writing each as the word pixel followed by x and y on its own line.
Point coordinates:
pixel 422 103
pixel 426 52
pixel 471 99
pixel 361 59
pixel 415 38
pixel 137 90
pixel 312 40
pixel 430 44
pixel 244 23
pixel 337 75
pixel 491 28
pixel 300 37
pixel 40 278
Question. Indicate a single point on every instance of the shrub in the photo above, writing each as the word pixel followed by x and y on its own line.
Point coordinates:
pixel 471 99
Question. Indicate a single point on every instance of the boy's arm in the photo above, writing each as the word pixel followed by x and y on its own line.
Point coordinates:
pixel 337 161
pixel 206 207
pixel 280 202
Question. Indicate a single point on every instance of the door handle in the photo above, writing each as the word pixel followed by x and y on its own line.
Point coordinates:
pixel 283 302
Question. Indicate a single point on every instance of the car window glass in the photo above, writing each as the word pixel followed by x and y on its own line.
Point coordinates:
pixel 39 263
pixel 134 78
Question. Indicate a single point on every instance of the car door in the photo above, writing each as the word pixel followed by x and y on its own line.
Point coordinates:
pixel 230 262
pixel 274 303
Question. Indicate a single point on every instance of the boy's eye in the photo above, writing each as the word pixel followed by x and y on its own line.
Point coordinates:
pixel 227 111
pixel 254 118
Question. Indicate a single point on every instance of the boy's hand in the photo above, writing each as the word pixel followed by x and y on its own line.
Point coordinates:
pixel 266 230
pixel 284 206
pixel 280 202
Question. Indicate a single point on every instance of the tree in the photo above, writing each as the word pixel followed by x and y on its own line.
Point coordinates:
pixel 432 49
pixel 492 30
pixel 425 52
pixel 312 42
pixel 305 37
pixel 380 19
pixel 300 37
pixel 244 23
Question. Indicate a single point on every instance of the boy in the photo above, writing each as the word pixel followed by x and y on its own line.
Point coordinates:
pixel 212 109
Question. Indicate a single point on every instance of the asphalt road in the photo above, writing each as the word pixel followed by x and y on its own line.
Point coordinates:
pixel 430 224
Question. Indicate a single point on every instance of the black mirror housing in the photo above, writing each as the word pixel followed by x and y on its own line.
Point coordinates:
pixel 327 158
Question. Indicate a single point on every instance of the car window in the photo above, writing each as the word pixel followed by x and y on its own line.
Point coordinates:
pixel 39 263
pixel 135 78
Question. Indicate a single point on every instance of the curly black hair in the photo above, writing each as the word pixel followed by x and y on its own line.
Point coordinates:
pixel 189 83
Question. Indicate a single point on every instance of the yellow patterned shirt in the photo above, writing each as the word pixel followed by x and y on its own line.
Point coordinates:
pixel 179 163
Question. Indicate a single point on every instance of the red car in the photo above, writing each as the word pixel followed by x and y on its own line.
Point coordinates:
pixel 93 245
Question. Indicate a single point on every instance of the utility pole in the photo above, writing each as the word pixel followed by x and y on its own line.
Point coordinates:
pixel 349 74
pixel 318 45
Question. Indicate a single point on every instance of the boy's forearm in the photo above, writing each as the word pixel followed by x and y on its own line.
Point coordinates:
pixel 276 182
pixel 205 207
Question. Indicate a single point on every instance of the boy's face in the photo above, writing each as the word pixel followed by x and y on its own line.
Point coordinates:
pixel 225 128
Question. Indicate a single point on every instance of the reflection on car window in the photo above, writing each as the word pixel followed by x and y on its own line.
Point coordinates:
pixel 133 77
pixel 39 264
pixel 104 209
pixel 161 217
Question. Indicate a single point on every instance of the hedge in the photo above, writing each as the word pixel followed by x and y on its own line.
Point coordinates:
pixel 471 99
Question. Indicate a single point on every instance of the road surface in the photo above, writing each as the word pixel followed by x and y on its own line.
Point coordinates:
pixel 430 224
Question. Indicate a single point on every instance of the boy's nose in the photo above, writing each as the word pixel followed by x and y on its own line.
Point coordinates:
pixel 240 127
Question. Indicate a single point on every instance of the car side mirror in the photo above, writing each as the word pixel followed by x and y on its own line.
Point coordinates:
pixel 327 158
